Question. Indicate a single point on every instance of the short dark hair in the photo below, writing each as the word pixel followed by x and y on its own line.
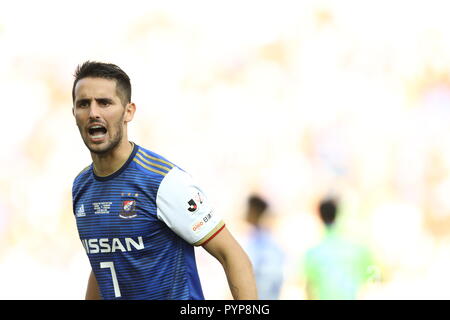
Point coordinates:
pixel 328 211
pixel 106 71
pixel 258 204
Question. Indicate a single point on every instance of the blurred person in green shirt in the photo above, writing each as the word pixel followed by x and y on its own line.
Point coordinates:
pixel 335 269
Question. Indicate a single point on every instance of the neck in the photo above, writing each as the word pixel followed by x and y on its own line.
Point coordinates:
pixel 108 163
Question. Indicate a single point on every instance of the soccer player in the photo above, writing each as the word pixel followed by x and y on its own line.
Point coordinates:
pixel 139 215
pixel 335 269
pixel 266 255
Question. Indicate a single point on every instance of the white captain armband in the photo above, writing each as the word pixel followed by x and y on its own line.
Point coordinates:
pixel 184 208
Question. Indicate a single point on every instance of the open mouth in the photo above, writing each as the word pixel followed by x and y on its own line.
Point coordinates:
pixel 97 131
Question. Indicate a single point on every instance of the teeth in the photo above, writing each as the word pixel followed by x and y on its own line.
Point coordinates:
pixel 98 135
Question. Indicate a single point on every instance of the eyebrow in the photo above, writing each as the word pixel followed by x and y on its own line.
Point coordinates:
pixel 78 102
pixel 107 100
pixel 100 100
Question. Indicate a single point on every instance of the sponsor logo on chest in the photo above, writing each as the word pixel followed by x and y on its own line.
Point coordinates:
pixel 106 245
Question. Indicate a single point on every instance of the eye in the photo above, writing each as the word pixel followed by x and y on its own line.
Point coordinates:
pixel 83 104
pixel 104 102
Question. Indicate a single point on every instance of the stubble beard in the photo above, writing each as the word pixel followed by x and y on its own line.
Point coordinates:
pixel 111 144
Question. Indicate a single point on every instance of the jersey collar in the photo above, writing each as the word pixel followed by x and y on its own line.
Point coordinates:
pixel 118 172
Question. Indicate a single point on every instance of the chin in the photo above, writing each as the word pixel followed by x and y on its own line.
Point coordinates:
pixel 103 148
pixel 99 148
pixel 99 151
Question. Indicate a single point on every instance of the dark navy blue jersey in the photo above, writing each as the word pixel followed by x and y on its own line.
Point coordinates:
pixel 139 227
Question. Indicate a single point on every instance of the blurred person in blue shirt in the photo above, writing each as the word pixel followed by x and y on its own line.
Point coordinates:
pixel 265 254
pixel 335 269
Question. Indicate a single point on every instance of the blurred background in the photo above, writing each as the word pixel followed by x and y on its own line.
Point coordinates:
pixel 290 100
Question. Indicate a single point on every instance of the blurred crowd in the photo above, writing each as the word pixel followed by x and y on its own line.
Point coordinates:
pixel 295 101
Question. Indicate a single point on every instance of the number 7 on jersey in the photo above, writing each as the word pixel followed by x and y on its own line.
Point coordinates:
pixel 110 265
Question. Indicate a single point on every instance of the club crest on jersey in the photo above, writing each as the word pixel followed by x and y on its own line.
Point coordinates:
pixel 128 209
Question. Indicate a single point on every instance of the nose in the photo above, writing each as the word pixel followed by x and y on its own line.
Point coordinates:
pixel 94 110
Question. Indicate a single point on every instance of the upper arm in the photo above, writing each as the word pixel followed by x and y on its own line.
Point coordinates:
pixel 92 291
pixel 185 209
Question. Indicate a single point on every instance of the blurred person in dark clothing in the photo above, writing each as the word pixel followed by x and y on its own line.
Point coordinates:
pixel 266 255
pixel 335 269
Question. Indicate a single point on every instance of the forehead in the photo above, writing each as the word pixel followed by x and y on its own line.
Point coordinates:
pixel 95 88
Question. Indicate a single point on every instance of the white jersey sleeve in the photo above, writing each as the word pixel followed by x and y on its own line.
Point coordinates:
pixel 184 208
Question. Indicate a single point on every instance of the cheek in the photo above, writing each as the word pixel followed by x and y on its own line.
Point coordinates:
pixel 113 124
pixel 78 120
pixel 119 119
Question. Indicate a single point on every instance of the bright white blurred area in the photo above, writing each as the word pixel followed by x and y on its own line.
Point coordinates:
pixel 293 100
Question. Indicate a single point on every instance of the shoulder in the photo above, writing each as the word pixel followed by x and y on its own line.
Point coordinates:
pixel 81 179
pixel 152 163
pixel 82 174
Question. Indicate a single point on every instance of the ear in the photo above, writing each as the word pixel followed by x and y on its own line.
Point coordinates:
pixel 130 109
